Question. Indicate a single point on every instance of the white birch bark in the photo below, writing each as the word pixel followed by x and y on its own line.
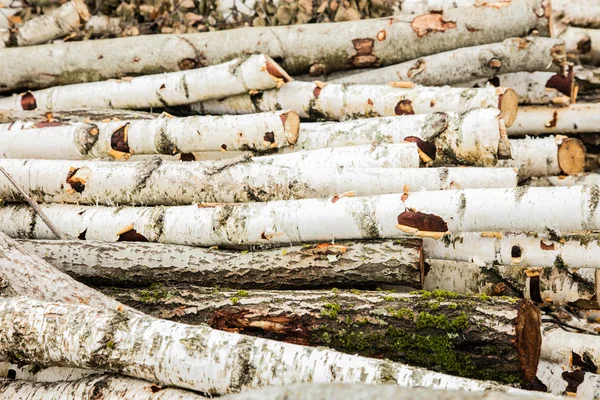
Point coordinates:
pixel 257 72
pixel 517 250
pixel 32 373
pixel 153 182
pixel 560 347
pixel 428 214
pixel 586 178
pixel 105 387
pixel 193 357
pixel 535 157
pixel 11 119
pixel 472 137
pixel 583 42
pixel 343 264
pixel 59 22
pixel 452 67
pixel 121 139
pixel 536 120
pixel 578 384
pixel 383 155
pixel 334 46
pixel 584 13
pixel 420 6
pixel 339 102
pixel 533 87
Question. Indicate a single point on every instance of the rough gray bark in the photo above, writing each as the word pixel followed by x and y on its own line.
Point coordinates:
pixel 344 264
pixel 301 48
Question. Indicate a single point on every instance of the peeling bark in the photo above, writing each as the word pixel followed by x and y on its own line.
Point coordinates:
pixel 451 67
pixel 578 383
pixel 536 120
pixel 441 331
pixel 193 357
pixel 93 61
pixel 257 72
pixel 567 349
pixel 344 264
pixel 339 102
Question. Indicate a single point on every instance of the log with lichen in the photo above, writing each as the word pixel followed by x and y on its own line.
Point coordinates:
pixel 441 331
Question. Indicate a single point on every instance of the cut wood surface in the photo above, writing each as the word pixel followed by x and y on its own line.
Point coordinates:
pixel 319 100
pixel 469 138
pixel 256 72
pixel 364 43
pixel 425 214
pixel 452 67
pixel 194 357
pixel 536 120
pixel 343 264
pixel 154 182
pixel 585 43
pixel 547 156
pixel 457 335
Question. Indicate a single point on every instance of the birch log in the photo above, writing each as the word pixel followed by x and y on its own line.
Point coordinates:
pixel 35 373
pixel 121 139
pixel 570 350
pixel 473 137
pixel 59 22
pixel 11 119
pixel 154 182
pixel 425 214
pixel 257 72
pixel 319 100
pixel 579 384
pixel 536 120
pixel 542 285
pixel 547 156
pixel 584 13
pixel 534 87
pixel 449 337
pixel 365 43
pixel 343 264
pixel 469 63
pixel 587 178
pixel 194 357
pixel 585 43
pixel 105 387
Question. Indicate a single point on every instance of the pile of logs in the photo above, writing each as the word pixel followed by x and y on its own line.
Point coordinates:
pixel 357 193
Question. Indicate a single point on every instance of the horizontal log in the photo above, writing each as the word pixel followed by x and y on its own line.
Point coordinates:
pixel 344 264
pixel 585 43
pixel 537 120
pixel 11 119
pixel 484 61
pixel 154 182
pixel 580 383
pixel 193 357
pixel 584 13
pixel 356 44
pixel 571 350
pixel 257 72
pixel 583 179
pixel 319 100
pixel 31 373
pixel 424 214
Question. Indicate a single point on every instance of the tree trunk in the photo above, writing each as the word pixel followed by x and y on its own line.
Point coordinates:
pixel 364 43
pixel 35 373
pixel 571 350
pixel 201 358
pixel 584 13
pixel 583 179
pixel 257 72
pixel 338 102
pixel 154 182
pixel 61 21
pixel 547 156
pixel 536 120
pixel 344 264
pixel 121 139
pixel 424 214
pixel 441 331
pixel 451 67
pixel 472 137
pixel 534 87
pixel 549 285
pixel 585 43
pixel 580 384
pixel 11 119
pixel 105 387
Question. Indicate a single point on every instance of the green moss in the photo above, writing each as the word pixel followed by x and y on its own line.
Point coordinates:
pixel 330 310
pixel 355 291
pixel 326 337
pixel 388 298
pixel 560 263
pixel 452 306
pixel 153 294
pixel 242 293
pixel 405 313
pixel 433 305
pixel 234 300
pixel 483 297
pixel 429 321
pixel 110 344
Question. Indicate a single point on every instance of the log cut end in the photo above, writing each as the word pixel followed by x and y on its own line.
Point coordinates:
pixel 571 156
pixel 504 150
pixel 276 71
pixel 565 84
pixel 82 9
pixel 528 339
pixel 508 103
pixel 291 125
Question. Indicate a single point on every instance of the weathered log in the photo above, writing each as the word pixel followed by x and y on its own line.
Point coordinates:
pixel 470 138
pixel 548 156
pixel 489 60
pixel 121 139
pixel 11 119
pixel 319 100
pixel 579 383
pixel 35 373
pixel 585 43
pixel 105 387
pixel 536 120
pixel 343 264
pixel 153 182
pixel 583 179
pixel 59 22
pixel 424 214
pixel 257 72
pixel 356 44
pixel 198 357
pixel 584 13
pixel 571 350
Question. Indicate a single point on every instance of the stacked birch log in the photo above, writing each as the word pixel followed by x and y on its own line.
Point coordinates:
pixel 406 200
